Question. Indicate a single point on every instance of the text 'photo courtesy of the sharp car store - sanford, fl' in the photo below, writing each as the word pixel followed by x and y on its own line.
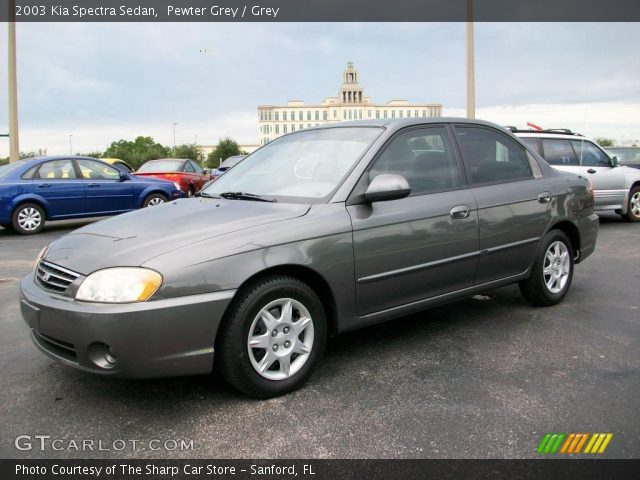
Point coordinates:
pixel 319 239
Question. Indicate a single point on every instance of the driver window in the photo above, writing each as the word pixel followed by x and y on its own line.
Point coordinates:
pixel 589 155
pixel 422 156
pixel 97 170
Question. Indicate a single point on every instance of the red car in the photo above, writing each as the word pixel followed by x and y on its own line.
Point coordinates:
pixel 186 174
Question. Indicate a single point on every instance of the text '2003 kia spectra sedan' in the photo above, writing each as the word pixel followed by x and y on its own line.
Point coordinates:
pixel 319 232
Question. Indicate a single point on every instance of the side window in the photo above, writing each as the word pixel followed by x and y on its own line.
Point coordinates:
pixel 56 170
pixel 491 157
pixel 559 152
pixel 188 168
pixel 533 143
pixel 589 155
pixel 424 157
pixel 93 170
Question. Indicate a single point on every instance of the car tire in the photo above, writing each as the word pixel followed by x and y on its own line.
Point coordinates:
pixel 6 226
pixel 267 315
pixel 633 207
pixel 552 271
pixel 28 219
pixel 154 199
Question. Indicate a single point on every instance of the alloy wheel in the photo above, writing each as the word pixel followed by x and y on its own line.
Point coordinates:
pixel 155 201
pixel 280 339
pixel 634 205
pixel 557 265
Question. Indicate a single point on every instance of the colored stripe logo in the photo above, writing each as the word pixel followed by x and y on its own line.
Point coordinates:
pixel 573 443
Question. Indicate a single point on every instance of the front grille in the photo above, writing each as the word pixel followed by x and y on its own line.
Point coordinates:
pixel 54 278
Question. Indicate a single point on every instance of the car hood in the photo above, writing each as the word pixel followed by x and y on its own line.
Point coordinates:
pixel 134 238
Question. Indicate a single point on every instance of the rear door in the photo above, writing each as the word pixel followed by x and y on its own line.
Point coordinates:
pixel 425 244
pixel 57 182
pixel 200 175
pixel 105 191
pixel 608 181
pixel 514 200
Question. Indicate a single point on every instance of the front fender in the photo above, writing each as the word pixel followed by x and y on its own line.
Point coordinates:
pixel 165 190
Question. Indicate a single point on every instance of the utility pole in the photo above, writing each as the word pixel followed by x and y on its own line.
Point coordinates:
pixel 14 147
pixel 70 149
pixel 471 87
pixel 174 138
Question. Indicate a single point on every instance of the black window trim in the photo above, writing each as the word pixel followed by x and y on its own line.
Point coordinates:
pixel 500 132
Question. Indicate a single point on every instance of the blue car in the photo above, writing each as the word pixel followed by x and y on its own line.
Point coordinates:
pixel 56 188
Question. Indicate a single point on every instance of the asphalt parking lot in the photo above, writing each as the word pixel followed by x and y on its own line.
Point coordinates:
pixel 483 377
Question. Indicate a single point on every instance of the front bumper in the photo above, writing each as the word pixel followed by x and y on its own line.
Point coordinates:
pixel 161 338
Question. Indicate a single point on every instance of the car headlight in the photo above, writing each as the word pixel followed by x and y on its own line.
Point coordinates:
pixel 119 285
pixel 40 256
pixel 177 185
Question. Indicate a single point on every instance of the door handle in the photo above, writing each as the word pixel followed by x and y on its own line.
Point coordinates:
pixel 591 170
pixel 461 211
pixel 44 185
pixel 93 185
pixel 544 197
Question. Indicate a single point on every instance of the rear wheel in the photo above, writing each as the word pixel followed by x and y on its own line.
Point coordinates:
pixel 154 199
pixel 28 219
pixel 633 208
pixel 272 338
pixel 552 271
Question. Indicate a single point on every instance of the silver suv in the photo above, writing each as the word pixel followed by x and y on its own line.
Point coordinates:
pixel 616 187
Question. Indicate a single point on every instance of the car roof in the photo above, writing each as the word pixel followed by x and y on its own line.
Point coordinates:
pixel 399 123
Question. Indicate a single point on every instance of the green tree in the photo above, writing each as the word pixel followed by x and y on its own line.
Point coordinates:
pixel 138 151
pixel 227 147
pixel 188 150
pixel 604 142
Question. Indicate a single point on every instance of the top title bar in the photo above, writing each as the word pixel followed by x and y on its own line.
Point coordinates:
pixel 321 11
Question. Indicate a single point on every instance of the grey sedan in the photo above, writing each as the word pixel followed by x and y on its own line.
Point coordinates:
pixel 321 231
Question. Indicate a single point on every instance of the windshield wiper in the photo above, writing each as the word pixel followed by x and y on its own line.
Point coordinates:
pixel 206 195
pixel 246 196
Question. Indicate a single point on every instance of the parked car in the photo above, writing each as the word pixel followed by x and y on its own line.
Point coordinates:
pixel 627 156
pixel 319 232
pixel 54 188
pixel 186 173
pixel 226 165
pixel 616 187
pixel 119 164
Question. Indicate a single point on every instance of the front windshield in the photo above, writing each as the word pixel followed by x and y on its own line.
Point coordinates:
pixel 631 155
pixel 160 166
pixel 307 165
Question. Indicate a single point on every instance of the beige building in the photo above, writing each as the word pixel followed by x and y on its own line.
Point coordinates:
pixel 350 104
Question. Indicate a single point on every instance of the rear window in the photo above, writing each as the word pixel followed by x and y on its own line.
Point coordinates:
pixel 161 166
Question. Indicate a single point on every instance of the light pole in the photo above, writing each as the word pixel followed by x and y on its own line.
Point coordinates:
pixel 70 149
pixel 174 138
pixel 471 88
pixel 14 147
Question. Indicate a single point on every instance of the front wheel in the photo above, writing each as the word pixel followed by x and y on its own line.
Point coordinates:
pixel 28 219
pixel 272 337
pixel 552 271
pixel 153 200
pixel 633 208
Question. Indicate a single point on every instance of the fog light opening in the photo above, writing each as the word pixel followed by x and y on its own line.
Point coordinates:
pixel 102 355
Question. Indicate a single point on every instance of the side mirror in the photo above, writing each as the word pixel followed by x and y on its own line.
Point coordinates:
pixel 124 176
pixel 615 162
pixel 385 187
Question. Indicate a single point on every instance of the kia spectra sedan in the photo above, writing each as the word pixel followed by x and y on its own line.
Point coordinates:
pixel 319 232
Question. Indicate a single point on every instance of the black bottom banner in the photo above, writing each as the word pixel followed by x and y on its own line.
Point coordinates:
pixel 318 469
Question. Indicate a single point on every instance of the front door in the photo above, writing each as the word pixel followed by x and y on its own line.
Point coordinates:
pixel 105 191
pixel 608 181
pixel 425 244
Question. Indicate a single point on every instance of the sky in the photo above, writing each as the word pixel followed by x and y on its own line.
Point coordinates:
pixel 101 82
